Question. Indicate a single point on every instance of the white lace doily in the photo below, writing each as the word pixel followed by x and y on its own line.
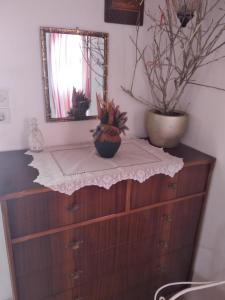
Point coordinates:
pixel 69 168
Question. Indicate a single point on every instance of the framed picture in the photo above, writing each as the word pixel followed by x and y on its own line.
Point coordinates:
pixel 128 12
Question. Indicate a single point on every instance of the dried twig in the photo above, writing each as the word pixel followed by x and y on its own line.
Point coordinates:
pixel 207 86
pixel 174 53
pixel 93 53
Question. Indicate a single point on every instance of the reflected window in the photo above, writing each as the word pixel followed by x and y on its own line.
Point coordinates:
pixel 67 69
pixel 74 70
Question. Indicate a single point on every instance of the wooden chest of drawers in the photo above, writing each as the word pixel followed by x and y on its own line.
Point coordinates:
pixel 99 244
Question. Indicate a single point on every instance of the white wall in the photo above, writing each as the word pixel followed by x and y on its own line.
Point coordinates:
pixel 20 72
pixel 20 63
pixel 206 133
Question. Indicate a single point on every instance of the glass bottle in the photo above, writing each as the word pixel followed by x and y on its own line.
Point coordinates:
pixel 35 138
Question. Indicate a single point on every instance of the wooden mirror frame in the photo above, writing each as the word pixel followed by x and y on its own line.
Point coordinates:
pixel 77 31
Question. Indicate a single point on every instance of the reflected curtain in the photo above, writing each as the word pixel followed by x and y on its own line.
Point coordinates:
pixel 86 66
pixel 66 70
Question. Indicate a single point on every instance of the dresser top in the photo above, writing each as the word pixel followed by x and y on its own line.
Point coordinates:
pixel 16 176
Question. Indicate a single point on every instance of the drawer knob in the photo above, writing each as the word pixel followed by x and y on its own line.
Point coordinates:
pixel 163 244
pixel 76 275
pixel 172 185
pixel 74 245
pixel 73 207
pixel 167 218
pixel 78 298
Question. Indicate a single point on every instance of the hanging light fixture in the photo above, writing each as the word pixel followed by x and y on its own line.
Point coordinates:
pixel 185 10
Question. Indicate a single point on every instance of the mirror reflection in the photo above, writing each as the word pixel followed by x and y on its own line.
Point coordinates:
pixel 74 70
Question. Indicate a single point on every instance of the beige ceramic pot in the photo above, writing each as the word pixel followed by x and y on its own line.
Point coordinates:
pixel 166 131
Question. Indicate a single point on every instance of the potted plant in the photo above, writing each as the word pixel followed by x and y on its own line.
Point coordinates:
pixel 112 123
pixel 184 37
pixel 80 105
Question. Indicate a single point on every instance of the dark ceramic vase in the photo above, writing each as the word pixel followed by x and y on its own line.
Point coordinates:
pixel 107 149
pixel 81 109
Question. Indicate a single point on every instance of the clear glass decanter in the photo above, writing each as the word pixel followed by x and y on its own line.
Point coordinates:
pixel 35 138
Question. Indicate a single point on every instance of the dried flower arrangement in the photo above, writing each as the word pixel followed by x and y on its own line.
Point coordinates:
pixel 80 105
pixel 112 120
pixel 112 124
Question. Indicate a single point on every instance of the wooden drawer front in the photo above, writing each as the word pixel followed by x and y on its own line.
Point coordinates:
pixel 177 222
pixel 92 265
pixel 184 219
pixel 173 266
pixel 157 188
pixel 68 295
pixel 141 292
pixel 42 285
pixel 45 284
pixel 69 245
pixel 49 210
pixel 151 274
pixel 149 234
pixel 190 180
pixel 146 279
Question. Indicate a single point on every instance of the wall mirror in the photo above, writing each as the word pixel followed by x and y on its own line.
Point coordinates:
pixel 74 65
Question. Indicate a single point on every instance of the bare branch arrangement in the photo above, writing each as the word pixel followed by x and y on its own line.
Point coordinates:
pixel 174 52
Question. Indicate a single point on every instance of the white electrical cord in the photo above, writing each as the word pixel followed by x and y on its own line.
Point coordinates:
pixel 200 286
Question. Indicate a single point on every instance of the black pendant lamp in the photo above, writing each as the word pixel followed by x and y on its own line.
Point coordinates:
pixel 185 10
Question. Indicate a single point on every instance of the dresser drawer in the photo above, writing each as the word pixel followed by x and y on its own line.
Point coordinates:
pixel 140 280
pixel 48 210
pixel 41 285
pixel 70 245
pixel 138 237
pixel 140 293
pixel 190 180
pixel 91 265
pixel 44 285
pixel 71 295
pixel 172 266
pixel 82 243
pixel 168 221
pixel 137 282
pixel 48 282
pixel 68 295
